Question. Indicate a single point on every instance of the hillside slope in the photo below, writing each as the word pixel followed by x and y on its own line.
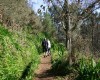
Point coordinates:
pixel 18 54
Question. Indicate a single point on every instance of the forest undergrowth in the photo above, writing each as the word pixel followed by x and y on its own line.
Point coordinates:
pixel 19 54
pixel 84 67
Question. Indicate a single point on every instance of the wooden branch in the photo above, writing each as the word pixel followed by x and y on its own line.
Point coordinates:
pixel 90 6
pixel 90 13
pixel 55 8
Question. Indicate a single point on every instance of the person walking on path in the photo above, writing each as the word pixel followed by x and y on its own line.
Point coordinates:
pixel 45 47
pixel 49 46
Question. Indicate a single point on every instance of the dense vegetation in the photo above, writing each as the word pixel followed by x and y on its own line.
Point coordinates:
pixel 85 67
pixel 72 27
pixel 21 33
pixel 19 40
pixel 18 54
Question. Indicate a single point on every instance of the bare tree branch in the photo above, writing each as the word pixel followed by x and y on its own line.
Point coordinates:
pixel 90 7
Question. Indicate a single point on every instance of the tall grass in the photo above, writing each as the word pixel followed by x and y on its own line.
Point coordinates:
pixel 18 52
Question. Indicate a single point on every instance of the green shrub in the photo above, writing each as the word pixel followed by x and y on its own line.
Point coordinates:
pixel 88 69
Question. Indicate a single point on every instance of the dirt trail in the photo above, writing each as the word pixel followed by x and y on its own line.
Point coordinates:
pixel 42 73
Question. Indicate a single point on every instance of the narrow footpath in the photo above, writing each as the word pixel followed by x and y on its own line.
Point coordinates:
pixel 42 73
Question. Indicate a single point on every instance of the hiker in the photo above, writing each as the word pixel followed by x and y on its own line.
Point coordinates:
pixel 49 46
pixel 45 47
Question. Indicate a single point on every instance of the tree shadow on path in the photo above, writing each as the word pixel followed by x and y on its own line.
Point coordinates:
pixel 44 71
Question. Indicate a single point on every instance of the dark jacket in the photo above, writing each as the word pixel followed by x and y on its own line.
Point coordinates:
pixel 44 44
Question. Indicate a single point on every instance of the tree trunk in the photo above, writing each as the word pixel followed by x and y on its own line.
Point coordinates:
pixel 67 30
